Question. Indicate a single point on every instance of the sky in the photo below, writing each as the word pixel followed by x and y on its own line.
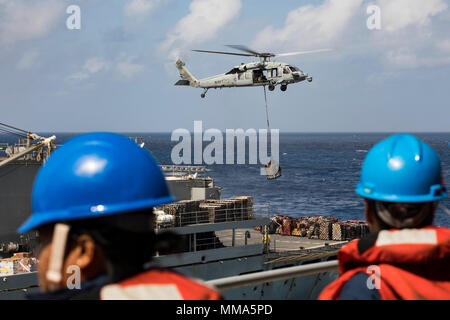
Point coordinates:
pixel 117 73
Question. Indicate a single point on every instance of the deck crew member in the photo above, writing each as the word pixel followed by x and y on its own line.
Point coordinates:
pixel 405 256
pixel 92 204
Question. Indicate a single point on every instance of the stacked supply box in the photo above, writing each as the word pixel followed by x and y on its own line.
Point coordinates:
pixel 7 267
pixel 188 212
pixel 318 227
pixel 228 213
pixel 20 262
pixel 214 211
pixel 191 214
pixel 174 209
pixel 287 227
pixel 337 232
pixel 245 206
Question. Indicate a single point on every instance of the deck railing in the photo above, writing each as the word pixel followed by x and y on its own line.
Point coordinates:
pixel 215 213
pixel 273 275
pixel 215 238
pixel 174 170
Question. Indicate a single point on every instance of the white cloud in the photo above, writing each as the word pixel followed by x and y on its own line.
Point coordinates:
pixel 402 57
pixel 95 65
pixel 205 19
pixel 128 68
pixel 444 46
pixel 309 26
pixel 407 58
pixel 379 78
pixel 140 8
pixel 409 35
pixel 399 14
pixel 28 60
pixel 78 76
pixel 124 66
pixel 25 20
pixel 90 67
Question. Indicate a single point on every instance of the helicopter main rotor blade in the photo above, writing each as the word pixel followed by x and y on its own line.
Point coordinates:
pixel 243 48
pixel 221 52
pixel 300 52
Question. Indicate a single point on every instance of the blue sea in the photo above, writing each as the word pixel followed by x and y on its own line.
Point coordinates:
pixel 319 172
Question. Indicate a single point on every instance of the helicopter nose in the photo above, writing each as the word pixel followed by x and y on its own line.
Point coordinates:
pixel 298 75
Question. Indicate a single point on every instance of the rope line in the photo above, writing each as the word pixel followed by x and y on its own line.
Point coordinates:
pixel 12 132
pixel 445 209
pixel 267 119
pixel 11 127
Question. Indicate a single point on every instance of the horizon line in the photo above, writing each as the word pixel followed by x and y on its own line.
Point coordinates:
pixel 284 132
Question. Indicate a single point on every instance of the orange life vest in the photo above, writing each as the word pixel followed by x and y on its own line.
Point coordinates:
pixel 159 284
pixel 411 264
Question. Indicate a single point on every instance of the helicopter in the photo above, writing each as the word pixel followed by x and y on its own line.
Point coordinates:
pixel 258 73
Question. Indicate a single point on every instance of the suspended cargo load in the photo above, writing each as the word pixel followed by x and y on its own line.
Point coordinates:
pixel 273 170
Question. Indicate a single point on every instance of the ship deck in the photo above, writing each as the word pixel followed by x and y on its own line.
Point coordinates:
pixel 278 243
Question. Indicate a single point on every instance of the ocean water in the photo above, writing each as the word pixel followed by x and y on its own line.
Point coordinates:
pixel 319 172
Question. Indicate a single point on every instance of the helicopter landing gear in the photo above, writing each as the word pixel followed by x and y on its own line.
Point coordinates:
pixel 283 87
pixel 271 87
pixel 204 93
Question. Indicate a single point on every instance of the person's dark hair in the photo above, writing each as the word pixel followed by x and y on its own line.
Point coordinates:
pixel 127 241
pixel 402 211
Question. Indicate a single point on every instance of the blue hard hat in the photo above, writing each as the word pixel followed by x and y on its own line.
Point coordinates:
pixel 95 175
pixel 401 168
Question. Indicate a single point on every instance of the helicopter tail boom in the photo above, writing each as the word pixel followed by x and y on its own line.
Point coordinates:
pixel 185 74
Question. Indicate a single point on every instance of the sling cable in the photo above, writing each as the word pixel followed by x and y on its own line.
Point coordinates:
pixel 273 169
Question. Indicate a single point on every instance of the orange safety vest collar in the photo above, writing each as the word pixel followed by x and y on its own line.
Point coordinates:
pixel 411 264
pixel 159 284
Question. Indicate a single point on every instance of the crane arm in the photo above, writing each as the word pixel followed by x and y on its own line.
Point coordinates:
pixel 44 142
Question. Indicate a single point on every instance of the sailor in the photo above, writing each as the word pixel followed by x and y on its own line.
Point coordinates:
pixel 266 239
pixel 405 256
pixel 92 205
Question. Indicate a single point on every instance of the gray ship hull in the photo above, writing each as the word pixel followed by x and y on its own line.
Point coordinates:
pixel 16 182
pixel 299 288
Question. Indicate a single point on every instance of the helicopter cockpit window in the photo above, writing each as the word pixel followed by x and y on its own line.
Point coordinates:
pixel 233 71
pixel 286 70
pixel 293 69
